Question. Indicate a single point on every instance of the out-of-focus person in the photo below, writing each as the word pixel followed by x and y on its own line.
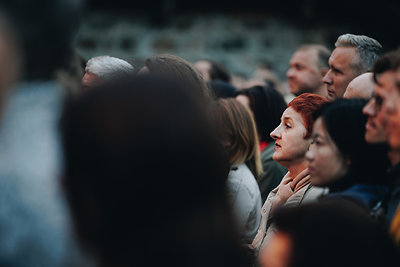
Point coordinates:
pixel 360 87
pixel 238 134
pixel 220 89
pixel 104 67
pixel 145 177
pixel 211 70
pixel 307 67
pixel 35 226
pixel 390 97
pixel 10 60
pixel 330 235
pixel 353 55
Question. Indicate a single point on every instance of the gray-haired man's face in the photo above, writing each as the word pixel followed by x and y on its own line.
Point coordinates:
pixel 340 71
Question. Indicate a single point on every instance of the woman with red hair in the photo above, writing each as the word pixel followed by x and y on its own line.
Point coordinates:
pixel 292 139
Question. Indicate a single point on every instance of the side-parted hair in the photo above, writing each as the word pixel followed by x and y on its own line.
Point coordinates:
pixel 267 105
pixel 237 130
pixel 306 104
pixel 105 66
pixel 323 54
pixel 175 67
pixel 368 50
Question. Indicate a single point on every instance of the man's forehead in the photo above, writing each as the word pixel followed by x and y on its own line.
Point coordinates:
pixel 343 54
pixel 304 55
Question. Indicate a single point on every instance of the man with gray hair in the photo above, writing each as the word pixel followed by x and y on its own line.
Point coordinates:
pixel 353 55
pixel 104 67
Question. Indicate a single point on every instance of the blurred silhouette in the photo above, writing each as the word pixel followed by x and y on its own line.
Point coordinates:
pixel 212 71
pixel 330 235
pixel 237 132
pixel 145 177
pixel 306 68
pixel 34 225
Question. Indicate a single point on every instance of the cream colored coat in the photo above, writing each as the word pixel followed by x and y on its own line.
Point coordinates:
pixel 305 194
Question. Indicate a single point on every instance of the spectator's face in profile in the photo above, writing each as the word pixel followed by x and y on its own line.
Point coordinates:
pixel 392 106
pixel 303 74
pixel 377 119
pixel 89 80
pixel 340 72
pixel 289 138
pixel 277 251
pixel 326 164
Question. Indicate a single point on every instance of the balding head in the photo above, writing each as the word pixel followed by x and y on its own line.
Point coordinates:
pixel 360 87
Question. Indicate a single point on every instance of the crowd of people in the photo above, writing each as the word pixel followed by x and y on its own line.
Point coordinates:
pixel 103 163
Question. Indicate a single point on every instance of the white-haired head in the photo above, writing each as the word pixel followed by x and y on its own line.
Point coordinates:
pixel 368 50
pixel 104 66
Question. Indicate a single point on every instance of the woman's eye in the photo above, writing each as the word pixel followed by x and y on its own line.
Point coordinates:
pixel 315 142
pixel 287 126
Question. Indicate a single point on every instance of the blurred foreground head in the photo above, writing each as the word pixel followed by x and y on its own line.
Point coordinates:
pixel 330 235
pixel 145 177
pixel 44 30
pixel 177 68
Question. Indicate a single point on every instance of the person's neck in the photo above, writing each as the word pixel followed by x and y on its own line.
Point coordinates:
pixel 394 156
pixel 295 169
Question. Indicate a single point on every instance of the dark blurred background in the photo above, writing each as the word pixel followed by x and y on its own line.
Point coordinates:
pixel 238 34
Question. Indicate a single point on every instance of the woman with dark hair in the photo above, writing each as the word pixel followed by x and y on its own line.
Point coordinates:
pixel 292 139
pixel 267 106
pixel 340 158
pixel 237 132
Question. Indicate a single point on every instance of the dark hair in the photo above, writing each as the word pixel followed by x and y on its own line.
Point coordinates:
pixel 218 72
pixel 345 124
pixel 45 30
pixel 221 89
pixel 144 147
pixel 267 105
pixel 385 63
pixel 334 234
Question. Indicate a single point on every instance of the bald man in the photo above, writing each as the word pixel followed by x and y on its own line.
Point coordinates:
pixel 360 87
